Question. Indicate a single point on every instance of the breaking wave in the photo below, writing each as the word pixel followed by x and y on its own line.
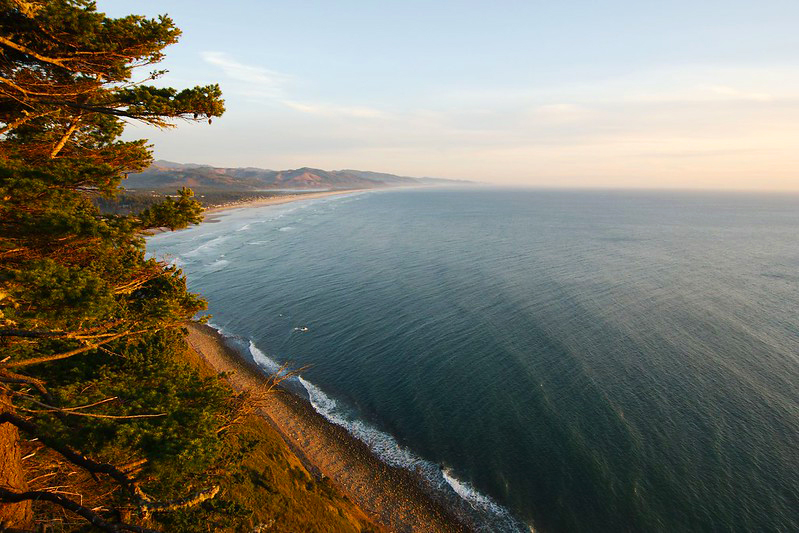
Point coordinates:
pixel 487 514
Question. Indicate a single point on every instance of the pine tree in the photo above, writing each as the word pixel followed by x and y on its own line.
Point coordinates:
pixel 90 328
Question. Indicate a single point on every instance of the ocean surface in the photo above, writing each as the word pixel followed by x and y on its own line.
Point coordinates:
pixel 563 361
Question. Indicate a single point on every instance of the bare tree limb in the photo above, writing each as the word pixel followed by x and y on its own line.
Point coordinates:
pixel 7 376
pixel 106 338
pixel 31 333
pixel 12 84
pixel 64 355
pixel 67 453
pixel 60 145
pixel 71 353
pixel 65 409
pixel 90 516
pixel 78 334
pixel 72 410
pixel 181 503
pixel 89 415
pixel 142 500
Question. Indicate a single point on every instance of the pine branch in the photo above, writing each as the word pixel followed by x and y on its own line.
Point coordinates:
pixel 59 62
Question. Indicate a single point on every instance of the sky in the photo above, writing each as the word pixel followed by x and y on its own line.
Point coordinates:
pixel 573 93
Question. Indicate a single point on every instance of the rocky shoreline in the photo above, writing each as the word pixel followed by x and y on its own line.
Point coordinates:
pixel 393 497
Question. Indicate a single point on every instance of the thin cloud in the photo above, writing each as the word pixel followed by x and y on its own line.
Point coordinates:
pixel 737 94
pixel 259 83
pixel 334 110
pixel 260 80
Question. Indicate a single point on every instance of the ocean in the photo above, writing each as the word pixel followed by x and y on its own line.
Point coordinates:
pixel 547 360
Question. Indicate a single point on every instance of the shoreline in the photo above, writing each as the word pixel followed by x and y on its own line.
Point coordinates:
pixel 275 200
pixel 210 214
pixel 391 496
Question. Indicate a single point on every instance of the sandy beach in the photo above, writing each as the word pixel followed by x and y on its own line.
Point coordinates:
pixel 273 200
pixel 209 214
pixel 391 496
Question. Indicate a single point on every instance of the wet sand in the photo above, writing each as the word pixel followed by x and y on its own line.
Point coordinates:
pixel 393 497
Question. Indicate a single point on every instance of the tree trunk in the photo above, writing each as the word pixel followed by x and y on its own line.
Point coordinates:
pixel 14 515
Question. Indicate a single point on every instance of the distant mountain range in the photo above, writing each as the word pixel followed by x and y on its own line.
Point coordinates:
pixel 168 175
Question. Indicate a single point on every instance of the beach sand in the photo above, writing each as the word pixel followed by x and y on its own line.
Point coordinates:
pixel 273 200
pixel 393 497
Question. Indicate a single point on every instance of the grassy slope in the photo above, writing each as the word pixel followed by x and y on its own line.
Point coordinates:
pixel 281 494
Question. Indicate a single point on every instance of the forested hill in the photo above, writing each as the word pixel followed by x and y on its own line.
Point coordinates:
pixel 163 175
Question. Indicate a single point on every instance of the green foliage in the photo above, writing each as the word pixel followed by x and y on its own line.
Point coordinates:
pixel 65 82
pixel 134 202
pixel 88 324
pixel 146 375
pixel 173 214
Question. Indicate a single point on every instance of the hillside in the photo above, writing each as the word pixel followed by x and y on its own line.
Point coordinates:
pixel 166 175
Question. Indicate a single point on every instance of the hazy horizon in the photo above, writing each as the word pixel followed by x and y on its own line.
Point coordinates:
pixel 573 95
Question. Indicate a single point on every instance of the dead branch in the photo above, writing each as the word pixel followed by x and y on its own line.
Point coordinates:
pixel 19 122
pixel 142 500
pixel 283 374
pixel 71 353
pixel 82 334
pixel 61 143
pixel 72 410
pixel 90 516
pixel 7 376
pixel 66 409
pixel 90 415
pixel 30 333
pixel 106 338
pixel 181 503
pixel 64 355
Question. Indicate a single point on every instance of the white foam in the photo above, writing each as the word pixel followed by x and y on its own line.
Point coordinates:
pixel 219 264
pixel 262 359
pixel 467 492
pixel 245 227
pixel 387 449
pixel 382 444
pixel 286 228
pixel 481 502
pixel 217 328
pixel 206 246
